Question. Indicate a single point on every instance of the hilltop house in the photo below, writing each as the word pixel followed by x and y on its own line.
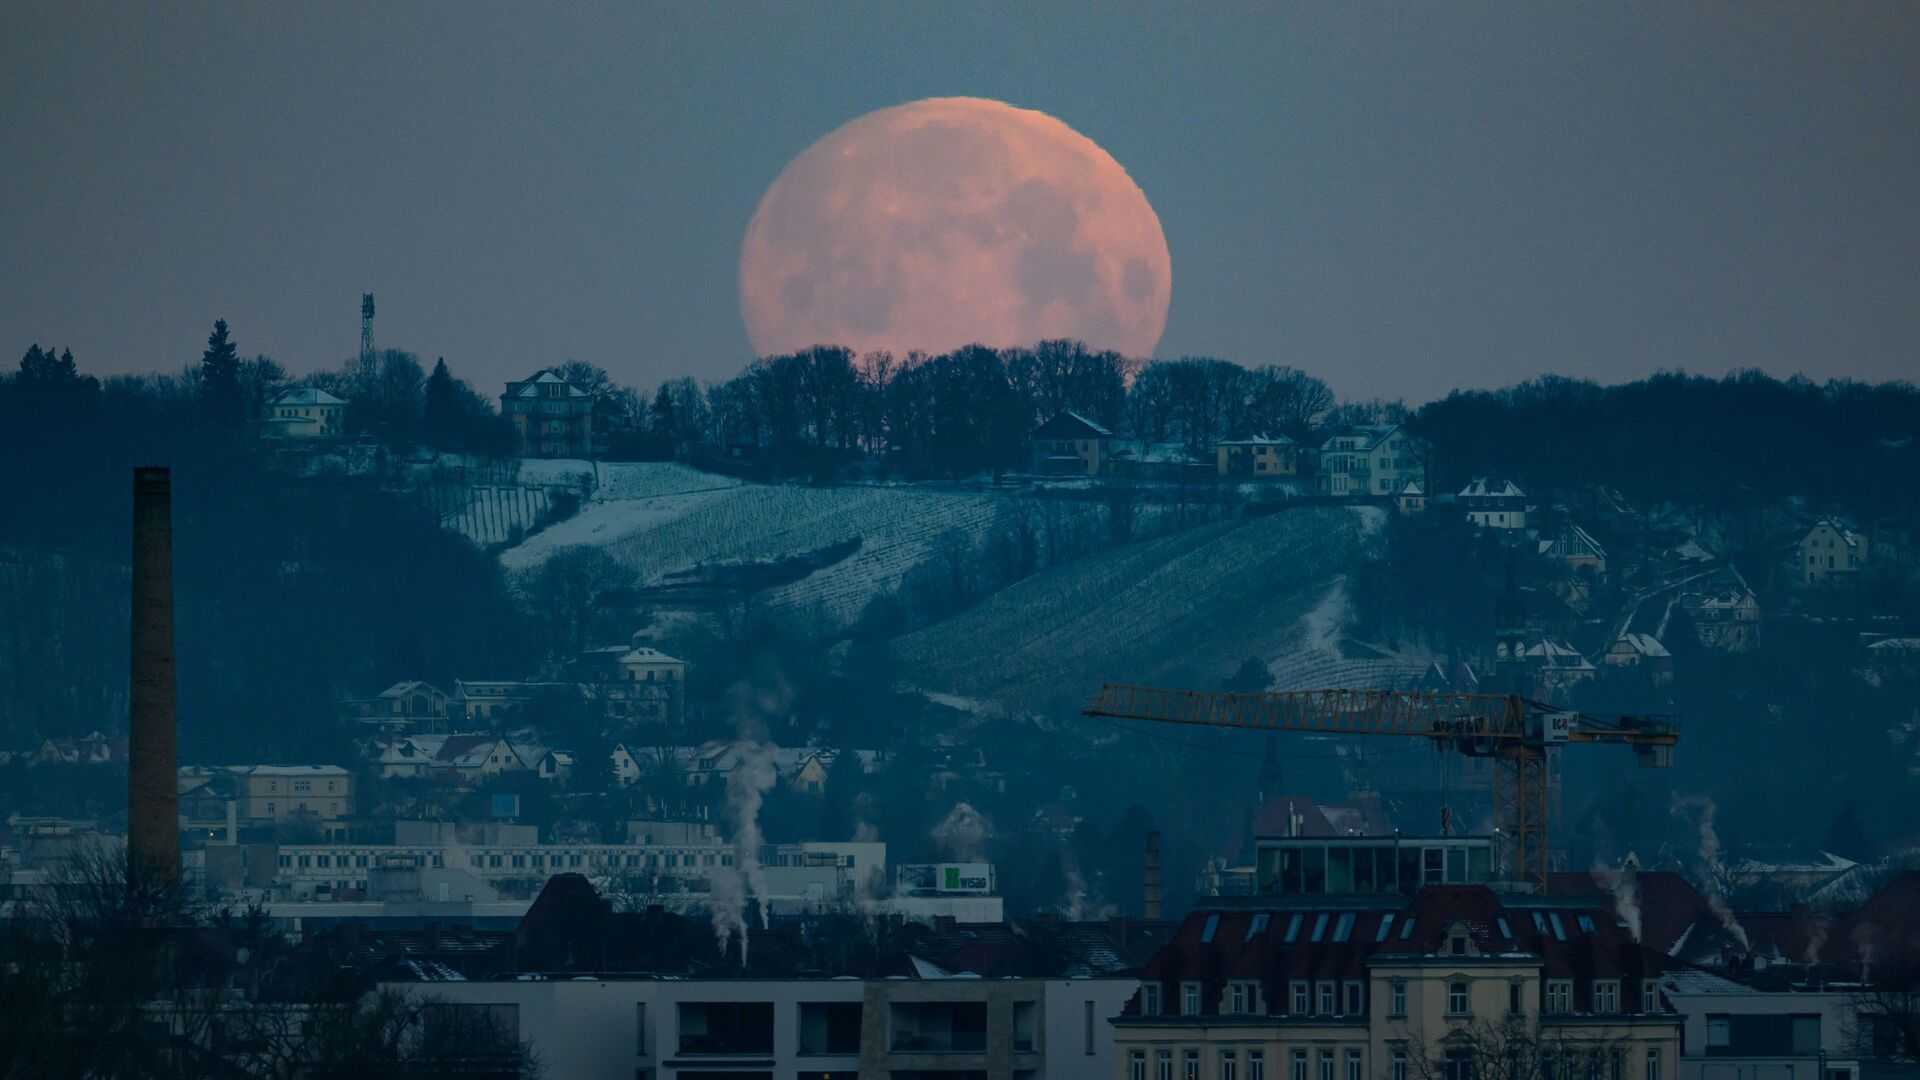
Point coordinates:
pixel 1257 456
pixel 1412 498
pixel 1371 460
pixel 1494 504
pixel 1830 551
pixel 1070 445
pixel 304 412
pixel 1556 665
pixel 1725 612
pixel 488 701
pixel 553 417
pixel 406 704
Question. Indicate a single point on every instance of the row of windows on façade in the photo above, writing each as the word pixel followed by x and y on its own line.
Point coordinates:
pixel 1370 989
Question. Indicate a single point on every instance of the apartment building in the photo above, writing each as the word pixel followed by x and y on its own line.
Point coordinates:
pixel 932 1024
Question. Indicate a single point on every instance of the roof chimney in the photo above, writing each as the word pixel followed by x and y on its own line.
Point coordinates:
pixel 153 820
pixel 1150 880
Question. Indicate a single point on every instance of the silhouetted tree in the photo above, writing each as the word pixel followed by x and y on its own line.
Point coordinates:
pixel 220 393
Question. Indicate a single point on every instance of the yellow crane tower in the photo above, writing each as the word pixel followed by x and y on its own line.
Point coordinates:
pixel 1517 733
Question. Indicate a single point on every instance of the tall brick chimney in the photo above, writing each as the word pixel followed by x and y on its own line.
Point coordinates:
pixel 153 800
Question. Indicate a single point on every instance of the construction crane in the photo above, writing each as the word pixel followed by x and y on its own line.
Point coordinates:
pixel 1515 732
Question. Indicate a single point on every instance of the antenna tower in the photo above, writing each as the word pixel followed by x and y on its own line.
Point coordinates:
pixel 366 334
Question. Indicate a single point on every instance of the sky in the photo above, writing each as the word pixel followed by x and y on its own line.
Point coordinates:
pixel 1400 198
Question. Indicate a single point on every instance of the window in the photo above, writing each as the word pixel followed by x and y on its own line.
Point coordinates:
pixel 1150 999
pixel 1212 926
pixel 829 1027
pixel 1584 922
pixel 939 1027
pixel 1299 1065
pixel 1653 1063
pixel 1505 930
pixel 1458 1003
pixel 1259 923
pixel 1559 996
pixel 1257 1065
pixel 1136 1065
pixel 1649 996
pixel 1719 1033
pixel 1406 930
pixel 1398 998
pixel 1163 1065
pixel 1351 1006
pixel 1458 1065
pixel 1190 999
pixel 1513 998
pixel 1086 1026
pixel 1240 998
pixel 728 1027
pixel 1386 925
pixel 1343 929
pixel 1606 995
pixel 1326 1065
pixel 1617 1065
pixel 1806 1035
pixel 1353 1065
pixel 1301 1006
pixel 1024 1015
pixel 1320 927
pixel 1457 945
pixel 1398 1070
pixel 1324 991
pixel 640 1028
pixel 1559 931
pixel 1190 1064
pixel 1229 1065
pixel 1293 928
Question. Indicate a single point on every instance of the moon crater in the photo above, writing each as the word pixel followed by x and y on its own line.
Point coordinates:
pixel 950 221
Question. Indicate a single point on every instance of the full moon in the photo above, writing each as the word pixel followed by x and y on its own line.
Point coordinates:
pixel 954 221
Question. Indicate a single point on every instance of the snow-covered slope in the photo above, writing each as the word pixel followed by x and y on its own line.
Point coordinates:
pixel 1187 607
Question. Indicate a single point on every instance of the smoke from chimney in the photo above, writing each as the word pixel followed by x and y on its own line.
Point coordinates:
pixel 153 820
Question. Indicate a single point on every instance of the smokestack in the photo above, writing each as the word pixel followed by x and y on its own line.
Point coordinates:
pixel 1150 903
pixel 153 820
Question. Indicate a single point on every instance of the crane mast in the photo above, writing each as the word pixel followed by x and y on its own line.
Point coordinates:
pixel 1516 733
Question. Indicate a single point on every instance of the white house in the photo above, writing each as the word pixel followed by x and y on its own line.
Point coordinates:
pixel 304 412
pixel 1376 459
pixel 1830 550
pixel 1494 504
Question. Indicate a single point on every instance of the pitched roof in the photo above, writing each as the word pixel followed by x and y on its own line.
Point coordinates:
pixel 1483 487
pixel 529 386
pixel 305 395
pixel 1068 424
pixel 1257 440
pixel 1644 644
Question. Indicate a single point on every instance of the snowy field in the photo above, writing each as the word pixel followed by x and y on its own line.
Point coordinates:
pixel 1186 608
pixel 664 519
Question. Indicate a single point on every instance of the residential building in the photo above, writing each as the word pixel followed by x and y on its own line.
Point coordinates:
pixel 1577 549
pixel 489 701
pixel 1732 1031
pixel 402 706
pixel 1070 445
pixel 304 412
pixel 92 748
pixel 1494 503
pixel 1257 456
pixel 1643 652
pixel 1382 985
pixel 553 417
pixel 1412 498
pixel 1371 460
pixel 1830 550
pixel 271 794
pixel 1724 611
pixel 1556 665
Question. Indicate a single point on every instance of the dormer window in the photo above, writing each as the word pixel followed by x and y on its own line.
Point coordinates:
pixel 1457 945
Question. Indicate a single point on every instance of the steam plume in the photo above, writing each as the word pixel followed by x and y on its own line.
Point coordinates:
pixel 753 773
pixel 962 835
pixel 1624 884
pixel 1713 870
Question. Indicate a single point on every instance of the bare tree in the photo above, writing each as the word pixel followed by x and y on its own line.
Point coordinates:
pixel 1516 1048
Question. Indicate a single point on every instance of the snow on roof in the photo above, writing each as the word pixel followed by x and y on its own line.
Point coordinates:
pixel 1644 644
pixel 1896 644
pixel 1258 440
pixel 1847 535
pixel 289 770
pixel 645 654
pixel 528 387
pixel 306 395
pixel 1483 486
pixel 1556 654
pixel 409 686
pixel 1693 981
pixel 1068 424
pixel 1414 487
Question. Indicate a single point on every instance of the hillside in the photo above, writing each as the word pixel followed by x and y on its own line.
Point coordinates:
pixel 1184 609
pixel 667 520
